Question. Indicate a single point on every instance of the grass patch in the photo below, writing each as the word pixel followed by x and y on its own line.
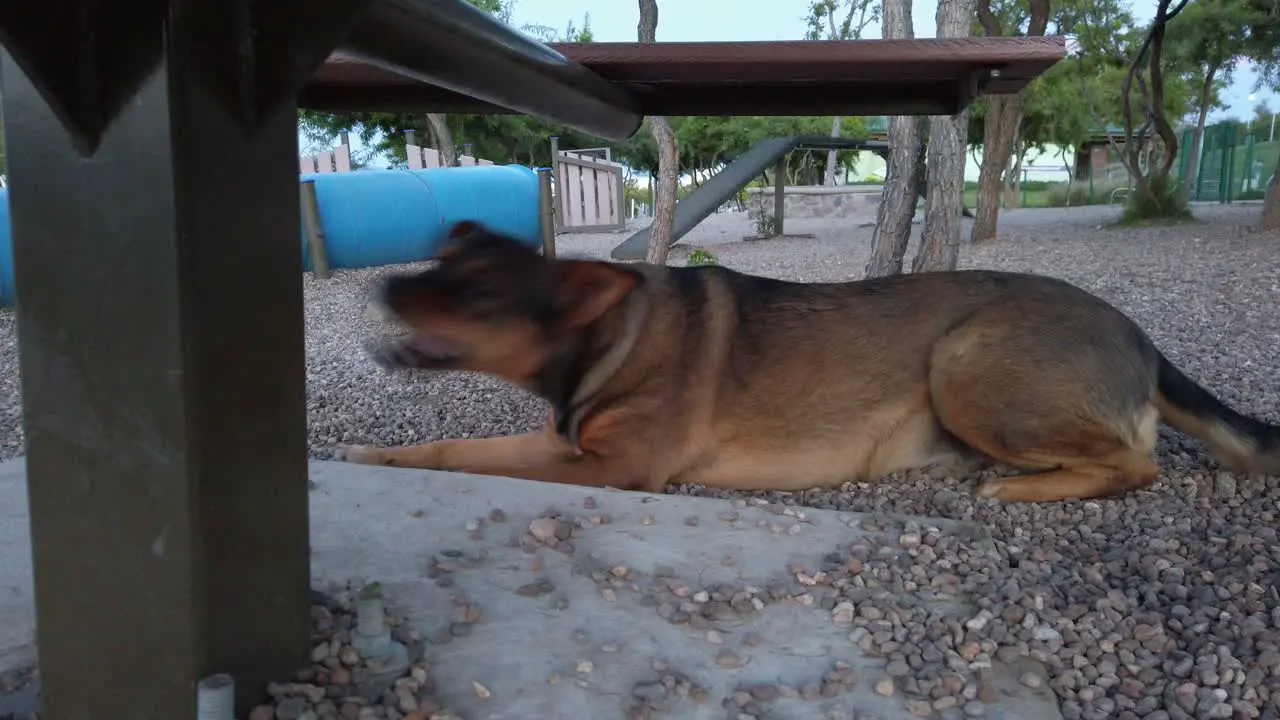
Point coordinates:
pixel 1162 206
pixel 1034 198
pixel 702 256
pixel 1078 194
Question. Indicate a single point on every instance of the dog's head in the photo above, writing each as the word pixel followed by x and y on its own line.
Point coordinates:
pixel 492 304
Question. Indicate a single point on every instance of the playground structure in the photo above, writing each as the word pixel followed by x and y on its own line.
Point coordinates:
pixel 385 217
pixel 589 190
pixel 419 157
pixel 816 201
pixel 735 176
pixel 168 496
pixel 327 161
pixel 378 217
pixel 389 217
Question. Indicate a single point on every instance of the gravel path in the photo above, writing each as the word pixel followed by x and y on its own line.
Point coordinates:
pixel 1161 605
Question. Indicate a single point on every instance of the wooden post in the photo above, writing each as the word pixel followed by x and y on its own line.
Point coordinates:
pixel 622 197
pixel 164 405
pixel 557 211
pixel 410 143
pixel 316 249
pixel 547 213
pixel 779 194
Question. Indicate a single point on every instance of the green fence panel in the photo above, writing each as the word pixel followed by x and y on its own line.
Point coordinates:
pixel 1236 162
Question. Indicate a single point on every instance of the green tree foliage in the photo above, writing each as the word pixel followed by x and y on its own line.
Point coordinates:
pixel 1080 95
pixel 708 142
pixel 1209 35
pixel 840 19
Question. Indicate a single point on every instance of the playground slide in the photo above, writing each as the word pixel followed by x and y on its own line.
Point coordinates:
pixel 725 184
pixel 715 192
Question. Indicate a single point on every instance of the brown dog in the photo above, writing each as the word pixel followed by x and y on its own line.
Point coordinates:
pixel 705 375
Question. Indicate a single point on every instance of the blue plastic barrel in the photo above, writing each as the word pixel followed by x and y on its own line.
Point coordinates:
pixel 386 217
pixel 7 293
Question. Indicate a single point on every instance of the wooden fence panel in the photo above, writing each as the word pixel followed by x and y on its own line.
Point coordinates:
pixel 589 194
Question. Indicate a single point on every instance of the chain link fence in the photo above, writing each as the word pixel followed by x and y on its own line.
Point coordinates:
pixel 1237 161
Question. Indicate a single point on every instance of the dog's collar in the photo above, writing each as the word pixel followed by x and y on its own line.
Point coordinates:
pixel 576 405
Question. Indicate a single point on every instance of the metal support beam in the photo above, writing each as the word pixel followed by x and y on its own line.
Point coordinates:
pixel 722 186
pixel 158 274
pixel 454 45
pixel 779 195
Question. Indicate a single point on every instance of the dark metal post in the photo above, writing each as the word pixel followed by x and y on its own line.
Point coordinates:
pixel 158 275
pixel 557 190
pixel 779 194
pixel 317 249
pixel 547 212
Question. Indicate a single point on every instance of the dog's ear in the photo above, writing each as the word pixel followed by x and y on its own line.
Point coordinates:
pixel 457 236
pixel 587 289
pixel 463 228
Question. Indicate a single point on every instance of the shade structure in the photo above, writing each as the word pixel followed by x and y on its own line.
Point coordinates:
pixel 850 77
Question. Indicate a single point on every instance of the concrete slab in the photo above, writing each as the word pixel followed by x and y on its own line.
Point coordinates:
pixel 17 600
pixel 571 629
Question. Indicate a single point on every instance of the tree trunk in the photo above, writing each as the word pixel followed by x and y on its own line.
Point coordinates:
pixel 898 200
pixel 1197 137
pixel 664 200
pixel 832 153
pixel 1000 126
pixel 1271 207
pixel 999 129
pixel 1071 173
pixel 919 167
pixel 944 200
pixel 1014 173
pixel 664 196
pixel 900 194
pixel 444 139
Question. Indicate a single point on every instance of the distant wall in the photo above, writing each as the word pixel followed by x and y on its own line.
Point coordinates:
pixel 817 201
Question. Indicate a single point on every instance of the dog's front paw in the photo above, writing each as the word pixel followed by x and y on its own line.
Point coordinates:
pixel 360 454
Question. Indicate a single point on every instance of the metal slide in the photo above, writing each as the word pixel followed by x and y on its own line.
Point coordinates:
pixel 736 175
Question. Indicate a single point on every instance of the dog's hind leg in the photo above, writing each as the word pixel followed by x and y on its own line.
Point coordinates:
pixel 1082 416
pixel 1112 476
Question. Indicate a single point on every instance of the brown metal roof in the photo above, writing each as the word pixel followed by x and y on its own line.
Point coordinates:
pixel 854 77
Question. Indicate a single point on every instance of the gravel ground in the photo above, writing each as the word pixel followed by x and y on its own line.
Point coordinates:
pixel 1160 605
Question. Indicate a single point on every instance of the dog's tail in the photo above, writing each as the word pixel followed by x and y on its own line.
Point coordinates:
pixel 1237 442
